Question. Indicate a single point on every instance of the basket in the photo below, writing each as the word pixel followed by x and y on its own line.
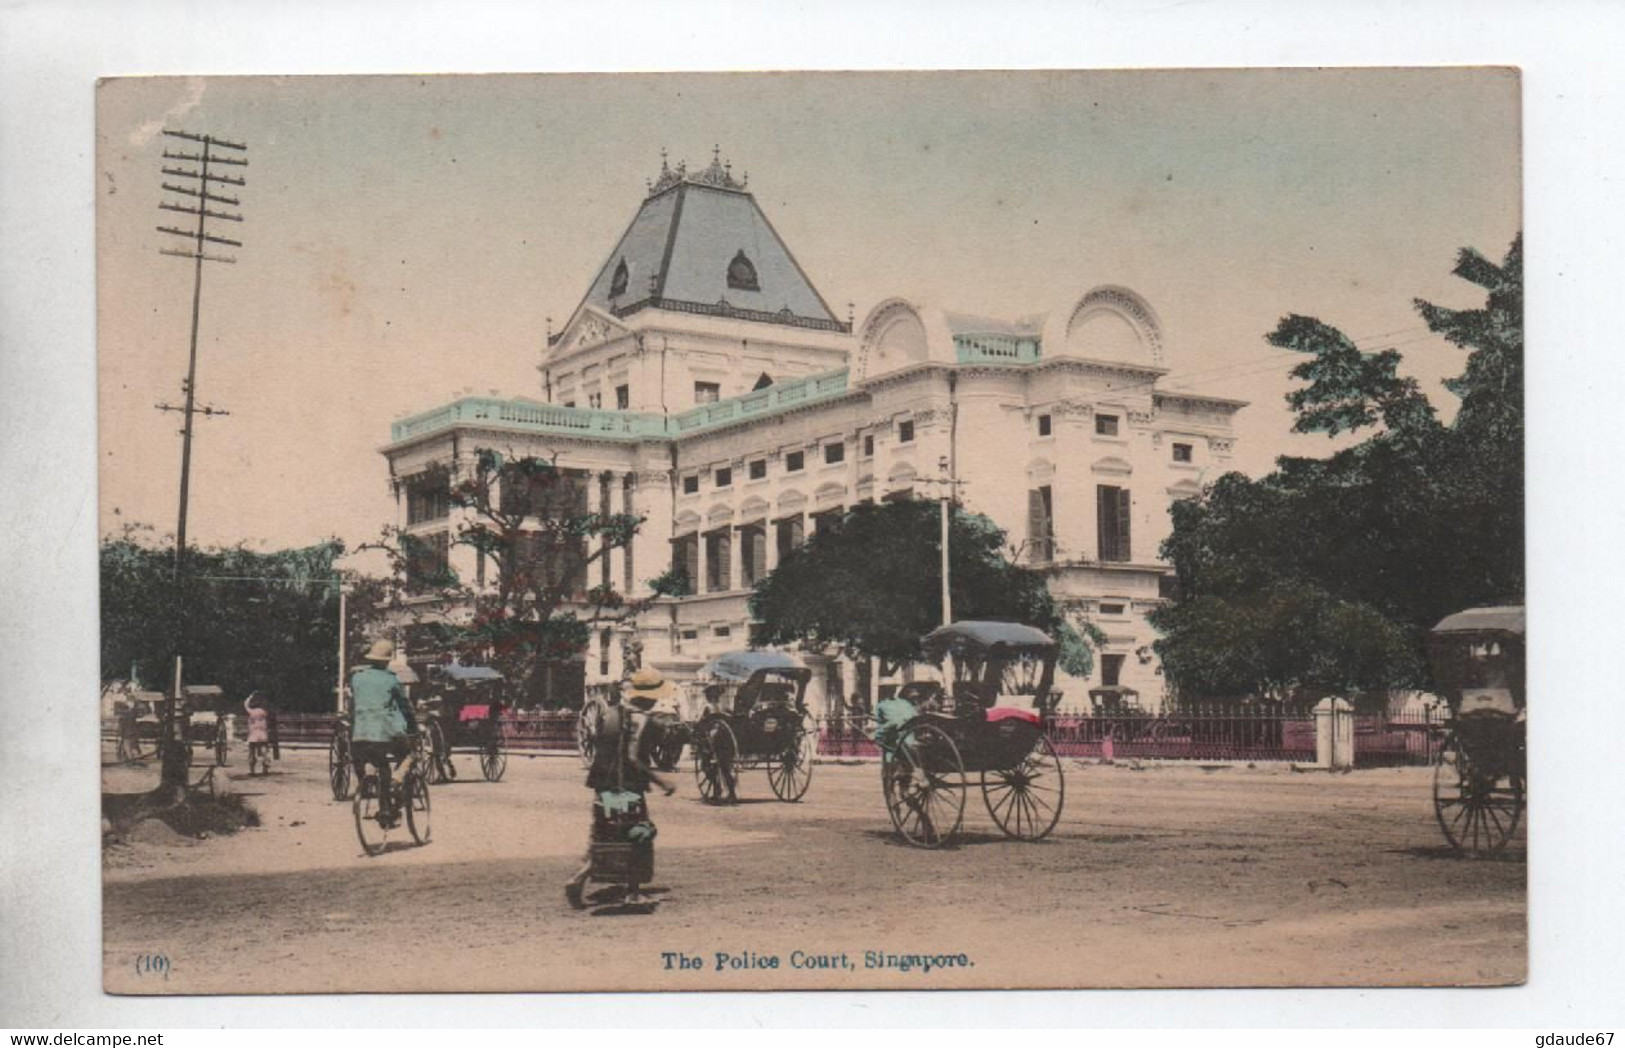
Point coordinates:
pixel 623 862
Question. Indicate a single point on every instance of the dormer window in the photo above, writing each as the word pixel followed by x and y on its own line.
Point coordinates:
pixel 742 274
pixel 617 283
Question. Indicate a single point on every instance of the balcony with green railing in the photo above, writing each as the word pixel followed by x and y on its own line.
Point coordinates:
pixel 996 349
pixel 596 424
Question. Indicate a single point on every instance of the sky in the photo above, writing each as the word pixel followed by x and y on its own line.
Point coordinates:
pixel 407 238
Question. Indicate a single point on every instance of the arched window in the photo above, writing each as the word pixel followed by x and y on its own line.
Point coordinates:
pixel 742 274
pixel 617 283
pixel 763 381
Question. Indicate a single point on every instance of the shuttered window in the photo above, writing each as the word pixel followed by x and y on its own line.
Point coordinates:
pixel 718 548
pixel 1112 509
pixel 685 559
pixel 792 531
pixel 1041 525
pixel 753 553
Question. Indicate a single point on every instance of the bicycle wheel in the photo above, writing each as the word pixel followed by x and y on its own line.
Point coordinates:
pixel 587 722
pixel 368 829
pixel 417 808
pixel 338 766
pixel 493 759
pixel 440 768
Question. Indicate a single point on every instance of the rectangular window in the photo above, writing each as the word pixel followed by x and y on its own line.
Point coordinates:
pixel 905 432
pixel 690 634
pixel 1111 670
pixel 603 653
pixel 707 392
pixel 1113 609
pixel 691 485
pixel 724 477
pixel 1182 452
pixel 533 488
pixel 427 498
pixel 868 445
pixel 623 398
pixel 834 453
pixel 428 560
pixel 595 400
pixel 1112 516
pixel 795 461
pixel 718 550
pixel 1041 525
pixel 753 553
pixel 1106 425
pixel 791 532
pixel 1043 425
pixel 685 561
pixel 828 520
pixel 552 560
pixel 758 469
pixel 569 403
pixel 722 631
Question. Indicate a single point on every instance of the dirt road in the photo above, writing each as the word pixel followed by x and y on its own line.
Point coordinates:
pixel 1167 876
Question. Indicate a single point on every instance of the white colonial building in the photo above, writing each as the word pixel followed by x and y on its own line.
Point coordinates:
pixel 704 384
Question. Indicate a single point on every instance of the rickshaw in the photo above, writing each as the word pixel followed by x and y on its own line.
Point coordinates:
pixel 754 717
pixel 620 850
pixel 464 713
pixel 1478 784
pixel 206 710
pixel 993 724
pixel 139 727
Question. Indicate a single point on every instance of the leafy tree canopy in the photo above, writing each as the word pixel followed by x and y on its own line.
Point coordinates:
pixel 871 586
pixel 1415 521
pixel 240 618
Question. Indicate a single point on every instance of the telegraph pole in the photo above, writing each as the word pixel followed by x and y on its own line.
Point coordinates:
pixel 219 153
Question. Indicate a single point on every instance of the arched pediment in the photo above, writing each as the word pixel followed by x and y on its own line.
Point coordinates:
pixel 720 514
pixel 1184 489
pixel 753 508
pixel 829 495
pixel 1110 323
pixel 1040 470
pixel 1112 465
pixel 901 473
pixel 898 333
pixel 792 502
pixel 687 520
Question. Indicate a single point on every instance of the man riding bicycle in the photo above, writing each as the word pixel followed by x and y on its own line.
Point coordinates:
pixel 384 727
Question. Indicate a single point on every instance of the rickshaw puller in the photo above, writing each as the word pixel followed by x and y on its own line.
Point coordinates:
pixel 622 769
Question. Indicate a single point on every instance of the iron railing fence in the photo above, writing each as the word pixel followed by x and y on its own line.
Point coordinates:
pixel 1218 734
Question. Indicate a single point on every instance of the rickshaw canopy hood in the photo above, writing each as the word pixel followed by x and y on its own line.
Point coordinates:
pixel 203 691
pixel 739 665
pixel 1503 619
pixel 980 637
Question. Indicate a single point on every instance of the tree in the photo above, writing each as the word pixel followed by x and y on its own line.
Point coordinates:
pixel 532 523
pixel 1414 521
pixel 871 585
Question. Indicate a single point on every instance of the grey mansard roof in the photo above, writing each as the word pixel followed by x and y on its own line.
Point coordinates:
pixel 693 234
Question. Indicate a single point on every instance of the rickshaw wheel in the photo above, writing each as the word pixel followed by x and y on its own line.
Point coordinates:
pixel 716 750
pixel 440 767
pixel 587 722
pixel 1477 813
pixel 493 760
pixel 368 829
pixel 790 772
pixel 417 808
pixel 1026 800
pixel 338 766
pixel 923 779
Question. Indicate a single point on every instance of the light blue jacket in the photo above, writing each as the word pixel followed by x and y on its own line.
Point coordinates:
pixel 379 702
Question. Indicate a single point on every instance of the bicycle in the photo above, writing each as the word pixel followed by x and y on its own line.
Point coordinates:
pixel 376 815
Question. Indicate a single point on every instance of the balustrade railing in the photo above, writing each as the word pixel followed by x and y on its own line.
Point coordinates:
pixel 1252 736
